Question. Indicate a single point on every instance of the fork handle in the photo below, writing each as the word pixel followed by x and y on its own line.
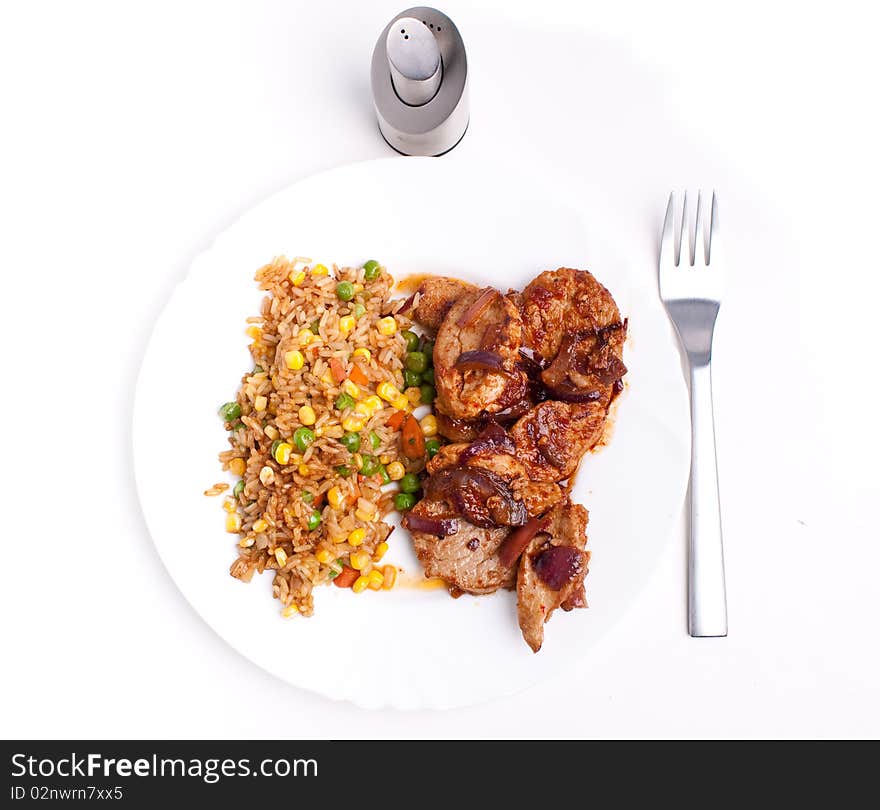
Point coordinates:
pixel 707 595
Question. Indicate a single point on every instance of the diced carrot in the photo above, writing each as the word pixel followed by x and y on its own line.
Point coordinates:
pixel 413 438
pixel 357 376
pixel 346 578
pixel 396 420
pixel 336 369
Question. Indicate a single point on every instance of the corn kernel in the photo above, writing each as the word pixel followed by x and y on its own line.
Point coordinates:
pixel 260 525
pixel 353 424
pixel 360 584
pixel 356 537
pixel 247 542
pixel 271 431
pixel 363 515
pixel 350 388
pixel 323 556
pixel 389 573
pixel 385 458
pixel 260 403
pixel 236 466
pixel 253 332
pixel 365 353
pixel 396 470
pixel 346 324
pixel 358 460
pixel 387 391
pixel 233 522
pixel 320 270
pixel 387 326
pixel 380 552
pixel 358 287
pixel 327 378
pixel 294 359
pixel 297 277
pixel 307 415
pixel 414 395
pixel 289 610
pixel 283 452
pixel 304 469
pixel 267 475
pixel 340 539
pixel 229 505
pixel 306 338
pixel 281 556
pixel 429 425
pixel 377 578
pixel 401 403
pixel 335 498
pixel 359 560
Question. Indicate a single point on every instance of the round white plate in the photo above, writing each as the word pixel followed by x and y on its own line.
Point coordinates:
pixel 408 648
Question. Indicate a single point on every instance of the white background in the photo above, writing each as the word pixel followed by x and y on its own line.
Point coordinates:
pixel 131 134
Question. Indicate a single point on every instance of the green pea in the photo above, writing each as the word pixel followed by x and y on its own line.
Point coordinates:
pixel 375 441
pixel 410 483
pixel 370 466
pixel 432 447
pixel 315 326
pixel 383 474
pixel 307 496
pixel 428 394
pixel 404 501
pixel 428 350
pixel 416 361
pixel 229 411
pixel 344 401
pixel 371 270
pixel 351 441
pixel 314 520
pixel 345 291
pixel 428 376
pixel 411 379
pixel 412 340
pixel 359 309
pixel 344 470
pixel 302 438
pixel 274 447
pixel 238 489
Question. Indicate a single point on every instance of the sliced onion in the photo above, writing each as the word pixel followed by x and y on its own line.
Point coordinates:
pixel 515 543
pixel 480 496
pixel 440 527
pixel 408 303
pixel 479 359
pixel 492 439
pixel 574 395
pixel 559 565
pixel 481 304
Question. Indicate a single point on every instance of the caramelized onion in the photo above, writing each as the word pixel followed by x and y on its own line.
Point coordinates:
pixel 559 565
pixel 515 543
pixel 408 303
pixel 481 496
pixel 480 305
pixel 479 359
pixel 440 527
pixel 566 394
pixel 492 439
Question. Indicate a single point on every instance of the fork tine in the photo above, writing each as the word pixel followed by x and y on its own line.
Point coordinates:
pixel 713 227
pixel 699 241
pixel 667 241
pixel 684 250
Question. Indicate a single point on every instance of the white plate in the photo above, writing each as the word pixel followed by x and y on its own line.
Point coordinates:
pixel 408 648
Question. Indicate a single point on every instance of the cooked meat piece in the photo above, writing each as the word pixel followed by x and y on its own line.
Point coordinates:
pixel 552 437
pixel 587 365
pixel 537 496
pixel 578 599
pixel 468 559
pixel 436 295
pixel 562 301
pixel 458 430
pixel 552 570
pixel 492 334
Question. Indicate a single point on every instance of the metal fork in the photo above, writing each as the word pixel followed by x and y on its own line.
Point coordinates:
pixel 690 287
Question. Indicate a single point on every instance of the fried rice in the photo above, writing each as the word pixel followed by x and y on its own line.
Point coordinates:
pixel 303 508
